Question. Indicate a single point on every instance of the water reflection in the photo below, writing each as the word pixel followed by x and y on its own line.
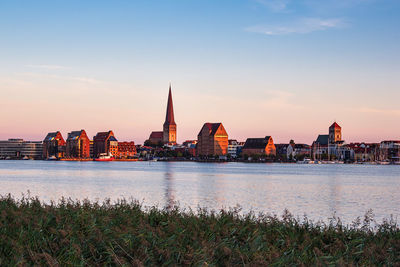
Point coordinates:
pixel 169 194
pixel 316 190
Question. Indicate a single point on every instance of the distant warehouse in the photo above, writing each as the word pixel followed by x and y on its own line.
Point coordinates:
pixel 20 149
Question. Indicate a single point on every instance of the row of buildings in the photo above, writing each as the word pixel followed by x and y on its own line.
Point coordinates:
pixel 212 141
pixel 79 146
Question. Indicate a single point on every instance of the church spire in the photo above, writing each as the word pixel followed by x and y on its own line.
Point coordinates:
pixel 169 118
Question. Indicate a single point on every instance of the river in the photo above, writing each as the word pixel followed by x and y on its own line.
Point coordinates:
pixel 319 191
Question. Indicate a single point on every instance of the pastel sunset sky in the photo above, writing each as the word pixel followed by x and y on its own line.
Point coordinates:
pixel 285 68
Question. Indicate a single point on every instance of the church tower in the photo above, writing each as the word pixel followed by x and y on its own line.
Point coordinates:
pixel 335 133
pixel 169 129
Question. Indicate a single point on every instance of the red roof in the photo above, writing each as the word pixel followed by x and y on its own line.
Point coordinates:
pixel 156 135
pixel 335 125
pixel 212 127
pixel 102 136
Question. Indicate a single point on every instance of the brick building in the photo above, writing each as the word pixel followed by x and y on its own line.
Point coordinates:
pixel 259 146
pixel 156 137
pixel 77 145
pixel 126 150
pixel 105 143
pixel 54 146
pixel 212 140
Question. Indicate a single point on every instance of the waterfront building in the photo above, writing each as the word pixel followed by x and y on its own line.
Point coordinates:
pixel 389 151
pixel 77 145
pixel 212 140
pixel 105 143
pixel 169 133
pixel 91 149
pixel 363 152
pixel 126 150
pixel 282 151
pixel 298 151
pixel 190 147
pixel 234 148
pixel 329 146
pixel 54 146
pixel 20 149
pixel 259 146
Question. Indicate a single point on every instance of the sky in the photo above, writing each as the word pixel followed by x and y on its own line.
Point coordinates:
pixel 285 68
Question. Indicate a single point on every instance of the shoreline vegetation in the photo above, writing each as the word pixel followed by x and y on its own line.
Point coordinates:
pixel 127 234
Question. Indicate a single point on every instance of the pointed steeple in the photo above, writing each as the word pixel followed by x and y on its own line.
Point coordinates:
pixel 169 118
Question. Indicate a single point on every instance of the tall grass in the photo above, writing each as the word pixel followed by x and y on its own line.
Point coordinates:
pixel 77 233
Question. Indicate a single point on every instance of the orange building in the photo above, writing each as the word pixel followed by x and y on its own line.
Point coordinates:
pixel 53 146
pixel 212 140
pixel 78 145
pixel 105 143
pixel 259 146
pixel 126 150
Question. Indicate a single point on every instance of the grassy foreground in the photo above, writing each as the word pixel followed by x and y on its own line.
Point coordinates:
pixel 83 233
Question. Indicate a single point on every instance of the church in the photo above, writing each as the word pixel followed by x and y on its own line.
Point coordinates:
pixel 168 134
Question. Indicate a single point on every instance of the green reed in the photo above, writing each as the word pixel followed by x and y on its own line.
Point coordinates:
pixel 75 233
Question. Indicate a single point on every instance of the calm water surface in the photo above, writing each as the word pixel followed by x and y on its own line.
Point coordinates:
pixel 316 190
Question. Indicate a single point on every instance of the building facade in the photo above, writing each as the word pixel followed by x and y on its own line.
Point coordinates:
pixel 389 151
pixel 212 140
pixel 54 146
pixel 259 146
pixel 105 143
pixel 335 133
pixel 77 145
pixel 20 149
pixel 234 148
pixel 156 138
pixel 126 150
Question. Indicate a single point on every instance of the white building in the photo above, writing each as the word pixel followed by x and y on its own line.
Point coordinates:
pixel 234 148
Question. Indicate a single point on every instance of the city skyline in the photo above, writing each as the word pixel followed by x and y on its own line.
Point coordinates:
pixel 287 69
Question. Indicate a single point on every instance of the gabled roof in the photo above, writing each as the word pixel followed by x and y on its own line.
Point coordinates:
pixel 112 138
pixel 323 139
pixel 156 135
pixel 335 125
pixel 102 136
pixel 51 136
pixel 256 143
pixel 212 127
pixel 74 135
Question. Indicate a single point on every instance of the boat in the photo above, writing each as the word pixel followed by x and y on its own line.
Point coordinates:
pixel 305 161
pixel 105 157
pixel 52 158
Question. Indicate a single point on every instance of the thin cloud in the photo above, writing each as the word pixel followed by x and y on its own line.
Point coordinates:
pixel 47 67
pixel 302 26
pixel 86 80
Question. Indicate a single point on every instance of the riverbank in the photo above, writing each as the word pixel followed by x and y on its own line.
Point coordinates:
pixel 74 233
